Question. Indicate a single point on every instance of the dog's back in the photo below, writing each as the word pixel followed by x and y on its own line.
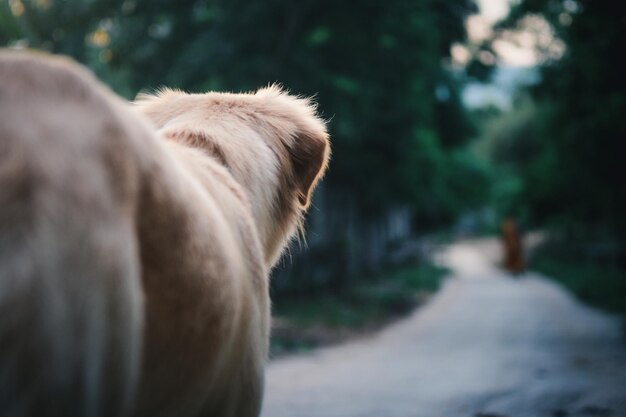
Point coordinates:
pixel 133 262
pixel 131 277
pixel 70 306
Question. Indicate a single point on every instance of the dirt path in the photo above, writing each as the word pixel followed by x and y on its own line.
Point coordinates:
pixel 486 346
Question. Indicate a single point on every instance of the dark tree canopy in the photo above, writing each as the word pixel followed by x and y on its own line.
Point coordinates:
pixel 378 71
pixel 575 173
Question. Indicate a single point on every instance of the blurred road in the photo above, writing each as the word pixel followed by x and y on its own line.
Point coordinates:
pixel 487 345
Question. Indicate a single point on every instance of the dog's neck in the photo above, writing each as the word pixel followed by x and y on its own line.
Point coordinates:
pixel 275 222
pixel 254 173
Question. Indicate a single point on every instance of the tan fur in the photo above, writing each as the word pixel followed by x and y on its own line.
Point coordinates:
pixel 134 254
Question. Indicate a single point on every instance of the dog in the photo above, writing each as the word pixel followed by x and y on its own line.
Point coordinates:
pixel 136 241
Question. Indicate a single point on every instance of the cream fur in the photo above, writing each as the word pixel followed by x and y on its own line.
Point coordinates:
pixel 135 242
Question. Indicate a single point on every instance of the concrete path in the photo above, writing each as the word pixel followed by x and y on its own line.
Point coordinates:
pixel 487 345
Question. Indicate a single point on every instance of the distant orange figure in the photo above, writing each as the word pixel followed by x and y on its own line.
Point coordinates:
pixel 512 244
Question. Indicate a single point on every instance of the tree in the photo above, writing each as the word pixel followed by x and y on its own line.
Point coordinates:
pixel 378 71
pixel 577 176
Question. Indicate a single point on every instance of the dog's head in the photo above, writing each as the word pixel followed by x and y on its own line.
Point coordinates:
pixel 273 144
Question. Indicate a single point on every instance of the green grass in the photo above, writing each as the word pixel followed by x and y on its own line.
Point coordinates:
pixel 427 277
pixel 329 310
pixel 387 295
pixel 603 286
pixel 357 308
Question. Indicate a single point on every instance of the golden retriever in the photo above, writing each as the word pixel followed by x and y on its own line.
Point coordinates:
pixel 136 240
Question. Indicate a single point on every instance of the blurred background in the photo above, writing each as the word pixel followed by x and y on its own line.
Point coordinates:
pixel 446 117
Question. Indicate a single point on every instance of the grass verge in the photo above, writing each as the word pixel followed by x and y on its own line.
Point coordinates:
pixel 303 323
pixel 602 286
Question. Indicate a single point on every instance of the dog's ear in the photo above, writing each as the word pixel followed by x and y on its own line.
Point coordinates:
pixel 309 156
pixel 303 133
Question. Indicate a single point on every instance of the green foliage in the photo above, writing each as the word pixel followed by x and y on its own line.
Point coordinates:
pixel 392 294
pixel 575 172
pixel 376 69
pixel 560 155
pixel 514 143
pixel 426 277
pixel 328 310
pixel 330 318
pixel 600 284
pixel 9 28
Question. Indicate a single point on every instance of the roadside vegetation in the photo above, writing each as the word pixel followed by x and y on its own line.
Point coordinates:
pixel 557 155
pixel 312 320
pixel 588 272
